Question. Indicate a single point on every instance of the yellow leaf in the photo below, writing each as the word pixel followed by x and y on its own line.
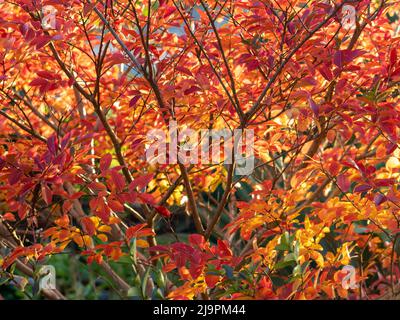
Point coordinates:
pixel 106 229
pixel 102 237
pixel 345 254
pixel 140 243
pixel 295 181
pixel 114 220
pixel 64 244
pixel 319 259
pixel 83 241
pixel 87 240
pixel 392 163
pixel 96 221
pixel 78 240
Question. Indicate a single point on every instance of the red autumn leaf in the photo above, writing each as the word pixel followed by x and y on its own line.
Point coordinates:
pixel 132 231
pixel 88 225
pixel 191 90
pixel 63 221
pixel 379 199
pixel 118 180
pixel 133 101
pixel 38 82
pixel 362 188
pixel 97 187
pixel 52 144
pixel 197 240
pixel 2 163
pixel 47 194
pixel 14 176
pixel 103 211
pixel 115 205
pixel 140 230
pixel 105 162
pixel 141 182
pixel 163 211
pixel 326 72
pixel 384 182
pixel 147 198
pixel 40 41
pixel 314 107
pixel 169 11
pixel 47 75
pixel 87 8
pixel 212 280
pixel 224 249
pixel 65 140
pixel 184 70
pixel 343 182
pixel 116 58
pixel 8 216
pixel 393 56
pixel 343 57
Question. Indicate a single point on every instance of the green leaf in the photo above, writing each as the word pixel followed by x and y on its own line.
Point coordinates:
pixel 159 278
pixel 297 271
pixel 296 250
pixel 158 294
pixel 284 264
pixel 282 247
pixel 133 292
pixel 144 282
pixel 289 257
pixel 133 251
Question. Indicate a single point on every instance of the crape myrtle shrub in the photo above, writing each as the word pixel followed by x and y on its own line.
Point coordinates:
pixel 82 83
